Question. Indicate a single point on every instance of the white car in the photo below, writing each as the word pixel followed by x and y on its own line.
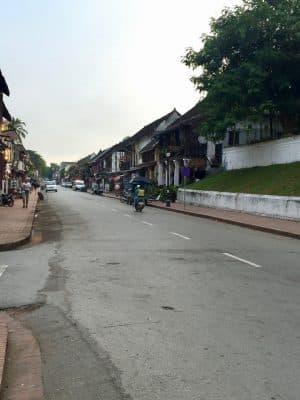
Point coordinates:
pixel 51 186
pixel 79 185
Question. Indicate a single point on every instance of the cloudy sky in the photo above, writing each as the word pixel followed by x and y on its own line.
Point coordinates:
pixel 83 74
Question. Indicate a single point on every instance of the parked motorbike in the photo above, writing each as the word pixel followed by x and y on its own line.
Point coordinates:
pixel 126 197
pixel 140 204
pixel 7 200
pixel 18 194
pixel 97 191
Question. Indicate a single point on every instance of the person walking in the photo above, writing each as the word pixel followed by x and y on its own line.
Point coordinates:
pixel 25 192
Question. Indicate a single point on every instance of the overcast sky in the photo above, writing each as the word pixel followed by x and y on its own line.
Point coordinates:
pixel 83 74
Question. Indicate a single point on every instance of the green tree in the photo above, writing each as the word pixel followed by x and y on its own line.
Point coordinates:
pixel 38 164
pixel 19 127
pixel 53 171
pixel 249 66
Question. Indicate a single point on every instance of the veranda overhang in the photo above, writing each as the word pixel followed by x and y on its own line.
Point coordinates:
pixel 142 166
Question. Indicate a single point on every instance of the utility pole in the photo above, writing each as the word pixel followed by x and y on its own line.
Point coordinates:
pixel 168 200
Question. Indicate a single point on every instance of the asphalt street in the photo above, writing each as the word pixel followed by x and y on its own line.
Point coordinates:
pixel 172 306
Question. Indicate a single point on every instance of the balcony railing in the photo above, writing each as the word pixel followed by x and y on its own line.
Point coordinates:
pixel 124 165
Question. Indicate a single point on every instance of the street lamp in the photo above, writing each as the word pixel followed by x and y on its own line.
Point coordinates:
pixel 7 154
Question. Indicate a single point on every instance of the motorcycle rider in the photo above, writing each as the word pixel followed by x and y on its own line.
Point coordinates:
pixel 138 193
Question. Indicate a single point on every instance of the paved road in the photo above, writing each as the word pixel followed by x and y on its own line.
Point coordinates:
pixel 172 306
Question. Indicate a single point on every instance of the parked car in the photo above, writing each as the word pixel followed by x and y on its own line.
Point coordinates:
pixel 51 186
pixel 68 184
pixel 79 185
pixel 43 184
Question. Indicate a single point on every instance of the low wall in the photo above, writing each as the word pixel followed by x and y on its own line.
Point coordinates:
pixel 275 206
pixel 281 151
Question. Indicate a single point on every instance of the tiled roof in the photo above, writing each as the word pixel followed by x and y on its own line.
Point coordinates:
pixel 6 113
pixel 3 85
pixel 191 117
pixel 150 146
pixel 102 154
pixel 150 128
pixel 85 159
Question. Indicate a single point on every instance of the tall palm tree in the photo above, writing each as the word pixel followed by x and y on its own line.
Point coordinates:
pixel 19 127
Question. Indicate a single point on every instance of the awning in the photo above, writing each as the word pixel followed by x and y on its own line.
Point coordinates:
pixel 150 146
pixel 9 135
pixel 142 166
pixel 140 180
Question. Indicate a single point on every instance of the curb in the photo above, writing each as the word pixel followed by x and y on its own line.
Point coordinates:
pixel 3 347
pixel 22 378
pixel 26 238
pixel 226 221
pixel 233 222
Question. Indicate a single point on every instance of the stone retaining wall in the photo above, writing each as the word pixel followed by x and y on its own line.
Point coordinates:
pixel 275 206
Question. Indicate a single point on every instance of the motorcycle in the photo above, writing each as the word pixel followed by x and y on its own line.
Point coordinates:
pixel 96 190
pixel 7 200
pixel 140 204
pixel 126 197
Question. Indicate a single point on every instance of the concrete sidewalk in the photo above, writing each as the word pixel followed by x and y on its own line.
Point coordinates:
pixel 16 223
pixel 267 224
pixel 283 227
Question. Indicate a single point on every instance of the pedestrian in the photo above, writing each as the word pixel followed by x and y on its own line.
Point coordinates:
pixel 35 185
pixel 25 192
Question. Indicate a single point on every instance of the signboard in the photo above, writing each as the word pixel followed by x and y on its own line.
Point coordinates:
pixel 198 163
pixel 185 171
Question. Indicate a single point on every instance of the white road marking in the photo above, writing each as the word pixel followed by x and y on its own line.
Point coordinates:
pixel 147 223
pixel 2 269
pixel 181 236
pixel 242 260
pixel 127 215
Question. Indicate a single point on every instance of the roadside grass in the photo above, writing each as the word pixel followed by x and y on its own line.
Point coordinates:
pixel 278 179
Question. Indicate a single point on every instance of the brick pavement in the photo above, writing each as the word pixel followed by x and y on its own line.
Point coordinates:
pixel 16 223
pixel 3 344
pixel 22 379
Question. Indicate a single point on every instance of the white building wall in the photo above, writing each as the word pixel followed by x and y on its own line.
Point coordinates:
pixel 176 172
pixel 160 176
pixel 210 149
pixel 279 151
pixel 113 162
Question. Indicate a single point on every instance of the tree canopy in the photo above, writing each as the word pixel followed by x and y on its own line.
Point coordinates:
pixel 19 127
pixel 249 66
pixel 38 164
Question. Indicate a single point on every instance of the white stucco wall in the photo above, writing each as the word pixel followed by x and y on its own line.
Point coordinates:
pixel 275 206
pixel 279 151
pixel 114 162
